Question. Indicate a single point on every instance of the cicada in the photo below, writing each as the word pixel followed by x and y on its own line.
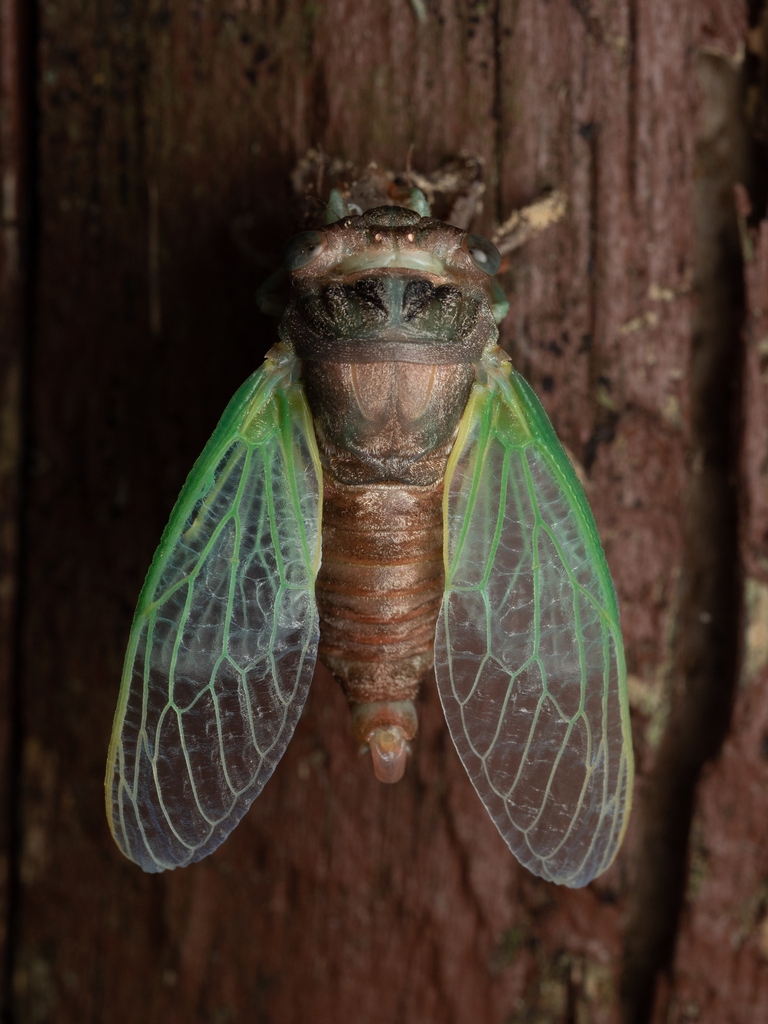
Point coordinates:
pixel 388 495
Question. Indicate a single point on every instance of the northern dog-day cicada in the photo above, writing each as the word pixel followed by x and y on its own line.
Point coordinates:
pixel 385 493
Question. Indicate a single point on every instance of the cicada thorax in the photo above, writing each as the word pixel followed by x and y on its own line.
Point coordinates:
pixel 388 318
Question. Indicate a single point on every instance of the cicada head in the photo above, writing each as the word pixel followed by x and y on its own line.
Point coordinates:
pixel 390 285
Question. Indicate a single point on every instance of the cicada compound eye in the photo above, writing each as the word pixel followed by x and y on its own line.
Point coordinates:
pixel 484 253
pixel 302 249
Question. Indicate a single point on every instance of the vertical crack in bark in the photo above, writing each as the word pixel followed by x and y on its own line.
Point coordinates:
pixel 17 262
pixel 633 79
pixel 604 422
pixel 498 115
pixel 706 647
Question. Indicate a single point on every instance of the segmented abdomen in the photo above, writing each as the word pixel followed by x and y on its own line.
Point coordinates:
pixel 380 586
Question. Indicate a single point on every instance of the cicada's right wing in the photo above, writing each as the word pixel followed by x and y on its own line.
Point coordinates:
pixel 528 652
pixel 224 640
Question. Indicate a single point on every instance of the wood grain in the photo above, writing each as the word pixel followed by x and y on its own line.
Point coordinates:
pixel 166 132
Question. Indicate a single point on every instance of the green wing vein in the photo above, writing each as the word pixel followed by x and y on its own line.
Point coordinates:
pixel 528 654
pixel 224 640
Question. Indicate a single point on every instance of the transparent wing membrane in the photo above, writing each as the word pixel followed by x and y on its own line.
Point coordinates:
pixel 528 656
pixel 224 641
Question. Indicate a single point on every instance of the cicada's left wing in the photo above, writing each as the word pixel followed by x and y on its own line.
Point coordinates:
pixel 224 641
pixel 528 655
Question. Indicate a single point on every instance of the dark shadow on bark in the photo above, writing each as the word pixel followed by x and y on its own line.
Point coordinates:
pixel 18 252
pixel 706 654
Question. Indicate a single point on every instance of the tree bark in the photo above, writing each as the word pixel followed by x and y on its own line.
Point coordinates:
pixel 158 148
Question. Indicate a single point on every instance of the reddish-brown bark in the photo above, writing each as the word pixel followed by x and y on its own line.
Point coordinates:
pixel 166 133
pixel 721 964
